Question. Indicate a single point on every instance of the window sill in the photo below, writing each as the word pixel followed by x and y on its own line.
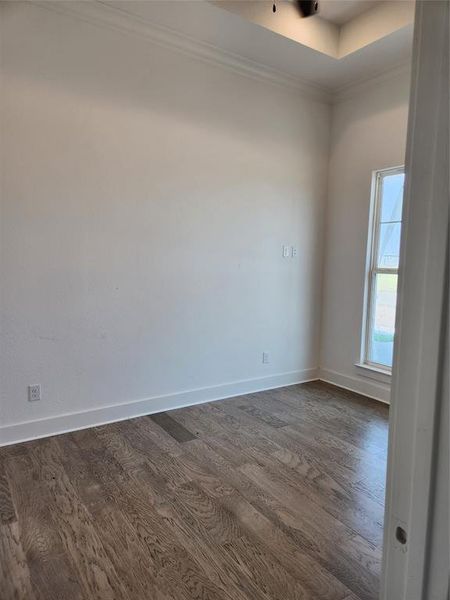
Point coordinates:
pixel 382 375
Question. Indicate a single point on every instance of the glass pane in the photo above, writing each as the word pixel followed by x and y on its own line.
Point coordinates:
pixel 382 326
pixel 392 197
pixel 389 245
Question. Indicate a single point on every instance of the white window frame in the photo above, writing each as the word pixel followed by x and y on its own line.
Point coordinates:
pixel 372 270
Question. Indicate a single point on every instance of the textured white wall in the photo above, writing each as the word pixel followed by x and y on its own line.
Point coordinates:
pixel 368 133
pixel 145 197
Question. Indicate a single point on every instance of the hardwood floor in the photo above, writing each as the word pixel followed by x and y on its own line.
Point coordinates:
pixel 271 496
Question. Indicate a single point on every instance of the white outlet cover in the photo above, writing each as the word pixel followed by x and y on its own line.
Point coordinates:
pixel 286 252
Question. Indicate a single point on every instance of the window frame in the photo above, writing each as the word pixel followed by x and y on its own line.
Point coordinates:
pixel 372 270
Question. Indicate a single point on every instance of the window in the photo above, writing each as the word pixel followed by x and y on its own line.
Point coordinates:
pixel 382 272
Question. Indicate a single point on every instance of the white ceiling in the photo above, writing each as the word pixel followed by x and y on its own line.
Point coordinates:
pixel 230 32
pixel 342 11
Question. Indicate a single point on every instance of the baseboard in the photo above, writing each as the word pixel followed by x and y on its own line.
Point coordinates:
pixel 30 430
pixel 361 385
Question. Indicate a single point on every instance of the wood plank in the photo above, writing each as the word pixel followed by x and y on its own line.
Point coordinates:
pixel 7 510
pixel 210 556
pixel 199 419
pixel 95 571
pixel 173 428
pixel 215 522
pixel 159 436
pixel 15 581
pixel 52 575
pixel 262 415
pixel 265 570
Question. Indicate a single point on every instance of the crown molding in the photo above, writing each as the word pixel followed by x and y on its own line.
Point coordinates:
pixel 364 85
pixel 103 14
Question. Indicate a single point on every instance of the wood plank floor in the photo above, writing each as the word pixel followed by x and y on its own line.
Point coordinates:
pixel 271 496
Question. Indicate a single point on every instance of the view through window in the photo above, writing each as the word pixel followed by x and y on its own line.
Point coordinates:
pixel 384 237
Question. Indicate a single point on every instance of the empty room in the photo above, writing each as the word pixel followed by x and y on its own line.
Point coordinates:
pixel 224 300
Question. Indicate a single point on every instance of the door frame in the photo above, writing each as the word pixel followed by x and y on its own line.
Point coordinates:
pixel 423 297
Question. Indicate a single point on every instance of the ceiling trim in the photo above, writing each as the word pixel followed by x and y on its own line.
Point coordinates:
pixel 104 15
pixel 355 88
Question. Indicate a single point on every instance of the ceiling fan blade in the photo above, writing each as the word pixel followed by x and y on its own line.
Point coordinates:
pixel 307 8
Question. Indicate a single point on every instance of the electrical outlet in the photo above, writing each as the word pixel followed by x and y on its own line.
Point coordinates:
pixel 286 251
pixel 34 393
pixel 265 358
pixel 293 251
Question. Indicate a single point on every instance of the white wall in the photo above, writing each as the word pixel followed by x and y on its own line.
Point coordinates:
pixel 368 133
pixel 145 197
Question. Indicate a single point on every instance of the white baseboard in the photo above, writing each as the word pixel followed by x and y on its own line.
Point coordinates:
pixel 361 385
pixel 30 430
pixel 40 428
